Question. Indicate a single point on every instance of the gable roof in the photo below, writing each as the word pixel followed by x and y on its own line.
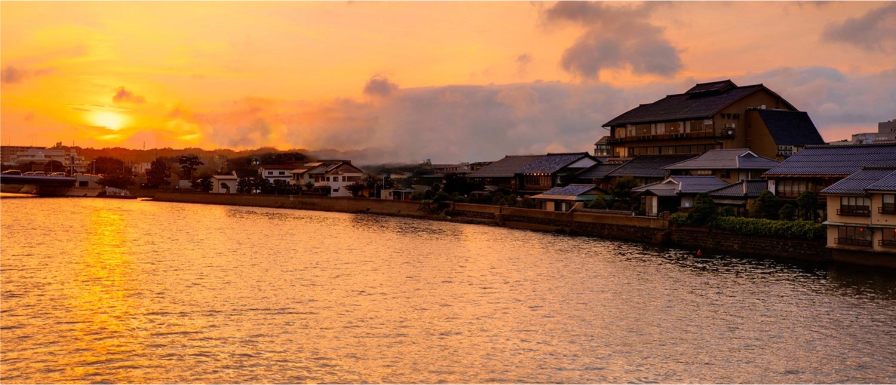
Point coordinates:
pixel 597 171
pixel 342 168
pixel 701 101
pixel 837 161
pixel 887 183
pixel 573 190
pixel 675 185
pixel 276 167
pixel 504 168
pixel 750 188
pixel 648 166
pixel 859 181
pixel 552 163
pixel 790 128
pixel 730 159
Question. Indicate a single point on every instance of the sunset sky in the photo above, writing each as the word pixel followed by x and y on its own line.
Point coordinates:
pixel 406 81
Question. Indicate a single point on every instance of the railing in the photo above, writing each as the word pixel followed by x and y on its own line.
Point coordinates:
pixel 887 243
pixel 681 135
pixel 856 212
pixel 887 210
pixel 853 242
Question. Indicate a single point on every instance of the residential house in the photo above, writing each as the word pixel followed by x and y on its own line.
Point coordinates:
pixel 552 170
pixel 564 198
pixel 275 172
pixel 729 165
pixel 224 184
pixel 478 165
pixel 502 173
pixel 709 116
pixel 741 195
pixel 602 146
pixel 817 167
pixel 862 214
pixel 779 134
pixel 646 169
pixel 397 194
pixel 338 176
pixel 596 174
pixel 675 192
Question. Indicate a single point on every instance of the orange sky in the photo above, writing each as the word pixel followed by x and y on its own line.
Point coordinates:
pixel 450 81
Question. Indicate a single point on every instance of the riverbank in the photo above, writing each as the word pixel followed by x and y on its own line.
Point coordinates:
pixel 657 231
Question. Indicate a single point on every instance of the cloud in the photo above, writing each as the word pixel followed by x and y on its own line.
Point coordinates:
pixel 379 86
pixel 13 75
pixel 125 96
pixel 523 62
pixel 873 31
pixel 617 37
pixel 29 117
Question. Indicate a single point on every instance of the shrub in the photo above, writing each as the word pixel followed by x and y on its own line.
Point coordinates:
pixel 787 212
pixel 807 203
pixel 704 210
pixel 767 206
pixel 728 211
pixel 599 202
pixel 417 196
pixel 761 227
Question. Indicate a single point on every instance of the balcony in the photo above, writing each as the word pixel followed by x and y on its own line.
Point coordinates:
pixel 887 210
pixel 853 242
pixel 887 243
pixel 861 211
pixel 675 136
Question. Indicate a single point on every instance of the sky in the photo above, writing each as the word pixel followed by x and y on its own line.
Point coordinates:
pixel 407 81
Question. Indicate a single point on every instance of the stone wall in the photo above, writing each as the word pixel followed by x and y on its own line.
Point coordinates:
pixel 720 240
pixel 345 205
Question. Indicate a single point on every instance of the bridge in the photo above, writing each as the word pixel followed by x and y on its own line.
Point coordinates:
pixel 40 185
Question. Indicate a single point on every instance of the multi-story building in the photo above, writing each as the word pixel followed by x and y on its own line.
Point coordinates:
pixel 710 116
pixel 862 215
pixel 338 176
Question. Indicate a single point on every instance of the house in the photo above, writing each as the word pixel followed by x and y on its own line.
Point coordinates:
pixel 397 194
pixel 552 170
pixel 674 192
pixel 862 214
pixel 275 172
pixel 709 116
pixel 596 174
pixel 741 195
pixel 224 184
pixel 817 167
pixel 601 147
pixel 564 198
pixel 729 165
pixel 646 169
pixel 339 175
pixel 780 132
pixel 502 173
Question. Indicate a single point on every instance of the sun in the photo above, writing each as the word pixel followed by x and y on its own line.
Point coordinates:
pixel 109 119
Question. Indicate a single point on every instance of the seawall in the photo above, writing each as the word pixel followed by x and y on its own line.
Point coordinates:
pixel 582 222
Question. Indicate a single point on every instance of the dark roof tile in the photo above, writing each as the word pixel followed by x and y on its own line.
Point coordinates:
pixel 571 190
pixel 857 182
pixel 835 160
pixel 552 163
pixel 648 166
pixel 730 159
pixel 790 128
pixel 505 168
pixel 746 189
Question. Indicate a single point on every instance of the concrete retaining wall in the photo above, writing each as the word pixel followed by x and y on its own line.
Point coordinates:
pixel 720 240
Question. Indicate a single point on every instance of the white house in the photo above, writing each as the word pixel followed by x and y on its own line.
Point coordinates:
pixel 338 176
pixel 224 184
pixel 275 172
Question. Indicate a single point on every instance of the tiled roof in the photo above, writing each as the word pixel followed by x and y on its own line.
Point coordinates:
pixel 571 190
pixel 887 183
pixel 746 188
pixel 697 184
pixel 699 104
pixel 790 128
pixel 603 139
pixel 343 168
pixel 505 168
pixel 648 166
pixel 598 171
pixel 711 86
pixel 858 181
pixel 552 163
pixel 665 188
pixel 835 160
pixel 276 167
pixel 730 159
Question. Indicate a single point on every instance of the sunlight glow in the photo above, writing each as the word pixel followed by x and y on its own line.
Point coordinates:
pixel 108 119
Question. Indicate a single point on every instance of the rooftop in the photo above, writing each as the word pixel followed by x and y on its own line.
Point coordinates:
pixel 551 163
pixel 746 188
pixel 790 128
pixel 506 167
pixel 864 179
pixel 571 190
pixel 648 166
pixel 675 185
pixel 730 159
pixel 597 171
pixel 701 101
pixel 837 161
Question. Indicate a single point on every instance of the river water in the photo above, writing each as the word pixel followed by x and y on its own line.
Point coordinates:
pixel 103 290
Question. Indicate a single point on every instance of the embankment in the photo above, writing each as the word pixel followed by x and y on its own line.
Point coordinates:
pixel 579 222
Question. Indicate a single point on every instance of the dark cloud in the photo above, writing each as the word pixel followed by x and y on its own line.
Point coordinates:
pixel 617 37
pixel 125 96
pixel 12 75
pixel 379 86
pixel 873 31
pixel 523 62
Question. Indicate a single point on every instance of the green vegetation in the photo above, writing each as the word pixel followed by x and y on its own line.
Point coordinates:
pixel 767 206
pixel 758 227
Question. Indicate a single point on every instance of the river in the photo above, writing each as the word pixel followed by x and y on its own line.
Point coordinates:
pixel 123 291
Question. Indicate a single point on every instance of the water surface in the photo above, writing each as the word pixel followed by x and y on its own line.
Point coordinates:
pixel 102 290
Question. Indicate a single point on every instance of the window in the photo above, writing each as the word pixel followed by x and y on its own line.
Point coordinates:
pixel 889 204
pixel 282 173
pixel 673 128
pixel 270 173
pixel 643 129
pixel 725 174
pixel 620 132
pixel 853 236
pixel 658 128
pixel 888 238
pixel 793 188
pixel 854 206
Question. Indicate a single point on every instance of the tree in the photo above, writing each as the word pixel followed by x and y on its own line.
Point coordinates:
pixel 621 190
pixel 807 203
pixel 599 202
pixel 767 206
pixel 203 182
pixel 119 181
pixel 157 174
pixel 787 212
pixel 106 165
pixel 704 210
pixel 356 188
pixel 188 164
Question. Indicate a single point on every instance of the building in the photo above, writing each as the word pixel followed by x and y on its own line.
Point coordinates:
pixel 20 155
pixel 741 196
pixel 646 169
pixel 862 213
pixel 596 174
pixel 502 173
pixel 339 175
pixel 817 167
pixel 275 172
pixel 601 147
pixel 552 170
pixel 886 131
pixel 564 198
pixel 675 192
pixel 224 184
pixel 709 116
pixel 728 165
